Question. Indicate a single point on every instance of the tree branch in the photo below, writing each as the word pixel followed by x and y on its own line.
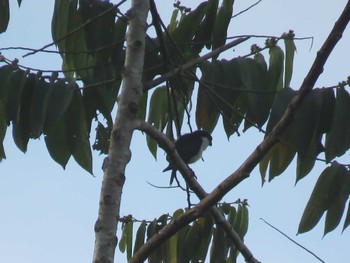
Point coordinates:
pixel 165 143
pixel 190 64
pixel 119 152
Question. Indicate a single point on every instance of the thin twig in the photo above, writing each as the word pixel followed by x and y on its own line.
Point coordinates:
pixel 245 10
pixel 289 238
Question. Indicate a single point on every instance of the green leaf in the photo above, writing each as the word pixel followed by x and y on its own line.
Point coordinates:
pixel 173 21
pixel 260 59
pixel 327 111
pixel 5 74
pixel 125 243
pixel 320 198
pixel 338 195
pixel 306 121
pixel 290 51
pixel 58 100
pixel 218 249
pixel 77 133
pixel 280 156
pixel 4 15
pixel 57 143
pixel 207 232
pixel 347 218
pixel 59 22
pixel 207 113
pixel 186 29
pixel 151 231
pixel 306 161
pixel 16 84
pixel 338 138
pixel 222 22
pixel 275 71
pixel 279 106
pixel 158 114
pixel 192 240
pixel 259 99
pixel 171 249
pixel 205 30
pixel 241 221
pixel 3 128
pixel 21 127
pixel 38 107
pixel 98 35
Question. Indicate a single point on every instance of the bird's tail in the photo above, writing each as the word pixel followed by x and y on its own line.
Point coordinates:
pixel 173 176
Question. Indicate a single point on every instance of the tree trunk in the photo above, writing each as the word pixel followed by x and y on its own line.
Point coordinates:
pixel 119 152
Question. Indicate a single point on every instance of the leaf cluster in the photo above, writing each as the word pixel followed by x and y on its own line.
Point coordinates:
pixel 194 243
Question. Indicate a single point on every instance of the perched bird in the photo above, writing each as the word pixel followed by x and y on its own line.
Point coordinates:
pixel 190 147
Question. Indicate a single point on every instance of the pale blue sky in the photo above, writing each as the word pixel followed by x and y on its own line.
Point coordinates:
pixel 48 214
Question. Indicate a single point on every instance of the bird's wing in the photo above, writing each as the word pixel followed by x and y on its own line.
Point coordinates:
pixel 188 146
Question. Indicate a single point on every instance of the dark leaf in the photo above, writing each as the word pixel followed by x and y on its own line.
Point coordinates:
pixel 4 15
pixel 222 21
pixel 38 107
pixel 218 249
pixel 207 229
pixel 57 143
pixel 207 112
pixel 58 100
pixel 280 156
pixel 3 128
pixel 306 161
pixel 21 127
pixel 338 138
pixel 290 51
pixel 77 133
pixel 5 74
pixel 241 221
pixel 59 23
pixel 186 29
pixel 253 77
pixel 125 243
pixel 16 85
pixel 327 111
pixel 205 30
pixel 306 121
pixel 338 195
pixel 275 71
pixel 158 114
pixel 320 198
pixel 347 218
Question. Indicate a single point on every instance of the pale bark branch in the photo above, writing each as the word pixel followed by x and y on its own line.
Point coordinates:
pixel 119 152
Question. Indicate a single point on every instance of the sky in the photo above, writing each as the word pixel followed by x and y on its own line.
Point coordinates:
pixel 48 214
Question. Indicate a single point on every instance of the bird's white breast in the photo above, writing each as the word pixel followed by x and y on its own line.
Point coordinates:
pixel 205 143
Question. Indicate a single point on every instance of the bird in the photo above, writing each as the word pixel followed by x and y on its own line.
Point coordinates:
pixel 190 147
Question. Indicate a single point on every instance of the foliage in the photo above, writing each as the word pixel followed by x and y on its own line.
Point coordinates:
pixel 194 243
pixel 252 89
